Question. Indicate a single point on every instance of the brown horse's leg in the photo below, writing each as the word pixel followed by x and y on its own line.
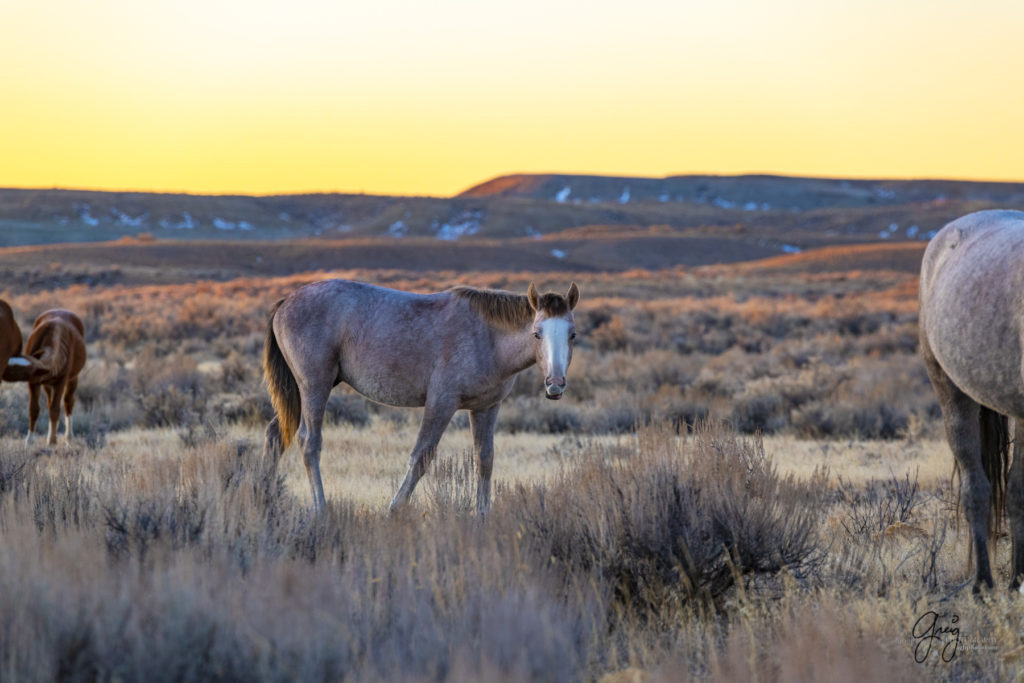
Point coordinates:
pixel 54 395
pixel 961 416
pixel 436 417
pixel 1015 503
pixel 69 407
pixel 314 403
pixel 482 423
pixel 33 410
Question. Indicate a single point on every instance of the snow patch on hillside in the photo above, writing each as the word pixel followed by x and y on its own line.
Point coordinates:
pixel 563 194
pixel 86 217
pixel 885 234
pixel 222 224
pixel 186 223
pixel 125 219
pixel 466 223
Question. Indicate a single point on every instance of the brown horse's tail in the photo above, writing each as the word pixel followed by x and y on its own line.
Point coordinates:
pixel 995 459
pixel 54 354
pixel 284 391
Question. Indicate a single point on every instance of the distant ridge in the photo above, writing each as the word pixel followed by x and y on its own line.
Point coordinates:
pixel 754 191
pixel 767 211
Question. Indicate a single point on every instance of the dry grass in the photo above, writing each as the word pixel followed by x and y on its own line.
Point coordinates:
pixel 144 559
pixel 364 464
pixel 799 541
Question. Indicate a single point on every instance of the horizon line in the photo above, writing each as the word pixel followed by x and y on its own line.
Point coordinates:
pixel 298 193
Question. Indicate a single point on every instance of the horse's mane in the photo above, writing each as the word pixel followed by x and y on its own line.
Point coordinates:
pixel 508 310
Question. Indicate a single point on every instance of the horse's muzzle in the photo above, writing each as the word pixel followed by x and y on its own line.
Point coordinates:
pixel 554 391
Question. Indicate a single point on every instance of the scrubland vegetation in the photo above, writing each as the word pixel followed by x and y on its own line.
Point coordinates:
pixel 652 526
pixel 816 355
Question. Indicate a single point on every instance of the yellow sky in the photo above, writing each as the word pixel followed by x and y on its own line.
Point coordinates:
pixel 412 97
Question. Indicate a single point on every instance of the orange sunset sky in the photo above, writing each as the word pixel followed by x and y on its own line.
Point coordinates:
pixel 404 97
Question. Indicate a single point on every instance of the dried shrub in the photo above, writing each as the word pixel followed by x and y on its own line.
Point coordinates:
pixel 871 510
pixel 170 390
pixel 678 520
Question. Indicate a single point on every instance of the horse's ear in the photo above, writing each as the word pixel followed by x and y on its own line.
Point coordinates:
pixel 533 297
pixel 573 297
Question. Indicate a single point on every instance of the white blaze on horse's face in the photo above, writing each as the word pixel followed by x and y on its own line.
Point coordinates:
pixel 553 341
pixel 554 353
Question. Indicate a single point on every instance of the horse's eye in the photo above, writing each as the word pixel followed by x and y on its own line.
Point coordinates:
pixel 536 335
pixel 572 336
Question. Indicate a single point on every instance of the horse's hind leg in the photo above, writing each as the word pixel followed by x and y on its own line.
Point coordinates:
pixel 436 417
pixel 1015 504
pixel 961 417
pixel 482 423
pixel 33 411
pixel 314 403
pixel 54 395
pixel 69 407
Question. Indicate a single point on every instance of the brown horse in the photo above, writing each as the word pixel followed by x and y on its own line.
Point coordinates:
pixel 10 337
pixel 457 349
pixel 56 352
pixel 972 340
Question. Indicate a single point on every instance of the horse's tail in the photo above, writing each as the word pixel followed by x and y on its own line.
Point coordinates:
pixel 995 459
pixel 54 354
pixel 284 391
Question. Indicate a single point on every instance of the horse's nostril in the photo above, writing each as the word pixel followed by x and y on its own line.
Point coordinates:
pixel 560 382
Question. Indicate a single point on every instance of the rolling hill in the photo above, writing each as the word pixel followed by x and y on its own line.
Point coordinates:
pixel 726 218
pixel 748 192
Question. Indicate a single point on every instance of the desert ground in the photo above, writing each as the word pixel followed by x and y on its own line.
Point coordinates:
pixel 746 480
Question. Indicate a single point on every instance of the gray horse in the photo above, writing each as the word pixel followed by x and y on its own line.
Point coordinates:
pixel 972 340
pixel 457 349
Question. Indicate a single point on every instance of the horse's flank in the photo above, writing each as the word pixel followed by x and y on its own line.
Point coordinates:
pixel 10 336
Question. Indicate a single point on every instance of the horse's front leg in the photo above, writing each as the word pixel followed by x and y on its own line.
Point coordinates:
pixel 482 423
pixel 436 416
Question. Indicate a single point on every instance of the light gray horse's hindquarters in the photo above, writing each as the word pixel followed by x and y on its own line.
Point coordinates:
pixel 971 326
